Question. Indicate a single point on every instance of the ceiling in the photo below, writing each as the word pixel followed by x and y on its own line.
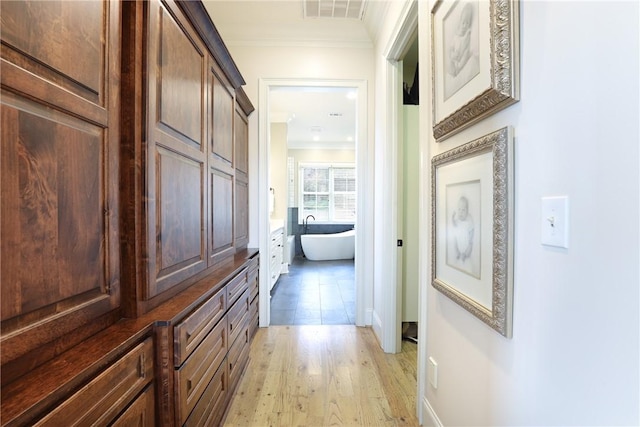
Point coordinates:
pixel 316 117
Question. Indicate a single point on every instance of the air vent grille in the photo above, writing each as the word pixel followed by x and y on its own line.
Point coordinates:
pixel 350 9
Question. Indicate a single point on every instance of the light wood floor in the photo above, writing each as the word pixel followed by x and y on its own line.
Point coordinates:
pixel 325 375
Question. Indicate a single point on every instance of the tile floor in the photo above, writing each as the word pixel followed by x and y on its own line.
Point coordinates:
pixel 315 293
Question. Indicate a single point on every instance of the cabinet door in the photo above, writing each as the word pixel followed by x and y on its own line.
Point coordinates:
pixel 242 180
pixel 59 252
pixel 221 172
pixel 176 156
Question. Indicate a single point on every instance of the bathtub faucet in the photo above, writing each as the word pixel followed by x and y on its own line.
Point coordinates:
pixel 305 223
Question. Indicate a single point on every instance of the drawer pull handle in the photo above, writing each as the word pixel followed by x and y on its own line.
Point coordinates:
pixel 141 370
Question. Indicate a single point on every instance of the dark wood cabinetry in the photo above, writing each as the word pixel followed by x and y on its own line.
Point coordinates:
pixel 128 294
pixel 59 252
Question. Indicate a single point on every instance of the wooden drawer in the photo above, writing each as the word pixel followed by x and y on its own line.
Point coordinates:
pixel 237 286
pixel 238 315
pixel 253 282
pixel 194 328
pixel 210 408
pixel 103 398
pixel 254 316
pixel 198 370
pixel 141 413
pixel 238 356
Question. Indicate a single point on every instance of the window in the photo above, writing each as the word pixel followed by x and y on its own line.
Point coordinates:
pixel 328 192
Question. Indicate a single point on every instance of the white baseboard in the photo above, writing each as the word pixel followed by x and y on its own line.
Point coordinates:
pixel 368 317
pixel 431 418
pixel 376 323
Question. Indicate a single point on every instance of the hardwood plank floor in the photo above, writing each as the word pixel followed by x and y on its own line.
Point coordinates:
pixel 325 375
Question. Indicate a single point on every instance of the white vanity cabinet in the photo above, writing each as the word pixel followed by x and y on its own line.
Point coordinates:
pixel 276 252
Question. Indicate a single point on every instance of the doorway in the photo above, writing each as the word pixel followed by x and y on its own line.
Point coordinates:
pixel 363 216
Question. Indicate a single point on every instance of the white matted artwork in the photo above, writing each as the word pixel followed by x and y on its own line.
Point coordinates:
pixel 475 61
pixel 472 210
pixel 464 226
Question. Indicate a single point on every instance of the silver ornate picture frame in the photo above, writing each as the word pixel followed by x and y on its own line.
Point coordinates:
pixel 475 61
pixel 472 227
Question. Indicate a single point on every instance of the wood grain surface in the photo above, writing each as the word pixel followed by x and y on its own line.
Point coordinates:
pixel 325 375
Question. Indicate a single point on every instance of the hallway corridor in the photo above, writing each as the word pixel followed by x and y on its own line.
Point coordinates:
pixel 315 293
pixel 325 375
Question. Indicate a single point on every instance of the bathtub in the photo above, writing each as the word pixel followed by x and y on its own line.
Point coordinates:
pixel 324 247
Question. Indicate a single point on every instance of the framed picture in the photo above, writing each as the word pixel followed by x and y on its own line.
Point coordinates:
pixel 472 214
pixel 475 61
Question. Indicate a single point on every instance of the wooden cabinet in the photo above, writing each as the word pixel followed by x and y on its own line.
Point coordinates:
pixel 59 252
pixel 127 286
pixel 207 369
pixel 254 290
pixel 103 398
pixel 243 110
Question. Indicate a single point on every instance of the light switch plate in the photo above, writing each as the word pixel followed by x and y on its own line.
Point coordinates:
pixel 555 221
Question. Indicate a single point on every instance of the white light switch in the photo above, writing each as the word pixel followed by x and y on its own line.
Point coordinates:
pixel 555 221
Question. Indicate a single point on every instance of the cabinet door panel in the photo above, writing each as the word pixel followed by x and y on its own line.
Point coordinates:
pixel 180 243
pixel 59 39
pixel 242 143
pixel 59 253
pixel 180 106
pixel 222 120
pixel 242 214
pixel 221 216
pixel 176 159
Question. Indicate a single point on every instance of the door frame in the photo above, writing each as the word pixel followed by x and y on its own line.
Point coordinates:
pixel 364 215
pixel 401 39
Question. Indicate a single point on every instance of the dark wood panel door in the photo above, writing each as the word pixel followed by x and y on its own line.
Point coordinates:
pixel 241 128
pixel 242 214
pixel 221 216
pixel 221 119
pixel 176 158
pixel 59 252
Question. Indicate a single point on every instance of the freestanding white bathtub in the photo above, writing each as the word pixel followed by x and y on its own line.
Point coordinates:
pixel 324 247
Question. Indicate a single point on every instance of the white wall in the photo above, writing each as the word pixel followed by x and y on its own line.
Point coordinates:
pixel 574 355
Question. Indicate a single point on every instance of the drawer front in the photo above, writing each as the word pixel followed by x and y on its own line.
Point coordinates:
pixel 254 314
pixel 198 370
pixel 194 328
pixel 141 413
pixel 252 279
pixel 238 356
pixel 103 398
pixel 238 315
pixel 237 286
pixel 210 408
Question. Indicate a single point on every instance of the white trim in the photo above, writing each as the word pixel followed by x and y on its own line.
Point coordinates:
pixel 432 417
pixel 376 324
pixel 400 40
pixel 364 215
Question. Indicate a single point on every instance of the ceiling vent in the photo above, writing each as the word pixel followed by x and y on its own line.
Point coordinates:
pixel 351 9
